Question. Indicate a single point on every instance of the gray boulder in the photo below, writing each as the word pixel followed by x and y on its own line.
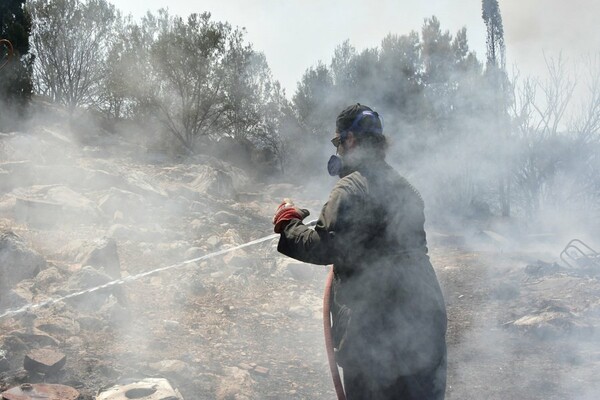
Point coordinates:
pixel 215 182
pixel 129 203
pixel 17 260
pixel 104 255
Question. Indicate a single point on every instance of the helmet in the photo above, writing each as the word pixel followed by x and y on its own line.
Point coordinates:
pixel 359 120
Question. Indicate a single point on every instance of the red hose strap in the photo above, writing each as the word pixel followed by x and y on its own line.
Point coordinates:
pixel 335 373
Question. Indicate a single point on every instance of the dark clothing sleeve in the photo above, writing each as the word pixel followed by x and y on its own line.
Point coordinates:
pixel 319 245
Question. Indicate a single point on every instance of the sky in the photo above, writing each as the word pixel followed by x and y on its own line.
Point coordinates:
pixel 296 34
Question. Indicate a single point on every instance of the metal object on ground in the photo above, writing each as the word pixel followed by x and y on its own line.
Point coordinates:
pixel 38 391
pixel 578 255
pixel 147 389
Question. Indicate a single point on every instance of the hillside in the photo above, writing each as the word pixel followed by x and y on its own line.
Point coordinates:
pixel 78 210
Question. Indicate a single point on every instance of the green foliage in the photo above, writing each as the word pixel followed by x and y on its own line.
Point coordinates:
pixel 198 79
pixel 15 78
pixel 495 33
pixel 428 79
pixel 71 39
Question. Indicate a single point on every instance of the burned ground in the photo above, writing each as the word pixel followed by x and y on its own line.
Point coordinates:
pixel 247 324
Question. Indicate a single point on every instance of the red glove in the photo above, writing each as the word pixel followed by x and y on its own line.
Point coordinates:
pixel 286 212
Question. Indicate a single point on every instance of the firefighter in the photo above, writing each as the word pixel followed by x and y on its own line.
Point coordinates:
pixel 388 312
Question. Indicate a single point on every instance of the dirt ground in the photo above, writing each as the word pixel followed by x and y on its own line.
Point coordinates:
pixel 241 312
pixel 248 325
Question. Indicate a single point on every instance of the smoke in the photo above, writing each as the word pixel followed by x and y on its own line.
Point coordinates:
pixel 457 169
pixel 162 207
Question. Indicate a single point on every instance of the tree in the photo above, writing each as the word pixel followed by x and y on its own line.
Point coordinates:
pixel 15 78
pixel 132 83
pixel 312 101
pixel 556 166
pixel 71 40
pixel 400 72
pixel 495 70
pixel 188 60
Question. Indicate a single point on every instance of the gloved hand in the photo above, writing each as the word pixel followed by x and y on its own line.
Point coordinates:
pixel 286 212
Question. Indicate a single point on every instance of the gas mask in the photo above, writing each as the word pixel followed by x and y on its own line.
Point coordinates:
pixel 335 165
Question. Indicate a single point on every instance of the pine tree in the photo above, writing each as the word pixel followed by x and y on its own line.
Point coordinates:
pixel 495 71
pixel 496 50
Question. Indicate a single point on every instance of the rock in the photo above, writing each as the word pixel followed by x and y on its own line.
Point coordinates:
pixel 59 326
pixel 223 217
pixel 171 325
pixel 261 370
pixel 87 278
pixel 235 385
pixel 47 278
pixel 232 238
pixel 45 206
pixel 41 391
pixel 195 283
pixel 193 252
pixel 287 267
pixel 36 338
pixel 15 298
pixel 213 181
pixel 235 260
pixel 45 361
pixel 299 312
pixel 213 241
pixel 16 174
pixel 117 315
pixel 4 364
pixel 246 367
pixel 17 260
pixel 98 179
pixel 11 345
pixel 552 324
pixel 141 184
pixel 105 256
pixel 183 191
pixel 74 342
pixel 197 227
pixel 150 389
pixel 128 203
pixel 90 323
pixel 171 367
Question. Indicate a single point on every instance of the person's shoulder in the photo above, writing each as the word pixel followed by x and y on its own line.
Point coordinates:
pixel 402 183
pixel 352 183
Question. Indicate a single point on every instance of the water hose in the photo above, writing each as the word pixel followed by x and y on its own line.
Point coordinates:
pixel 51 301
pixel 335 373
pixel 9 48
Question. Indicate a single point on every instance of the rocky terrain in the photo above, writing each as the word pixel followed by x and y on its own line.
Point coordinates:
pixel 79 211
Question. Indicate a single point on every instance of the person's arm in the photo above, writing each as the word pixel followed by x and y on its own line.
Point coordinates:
pixel 317 246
